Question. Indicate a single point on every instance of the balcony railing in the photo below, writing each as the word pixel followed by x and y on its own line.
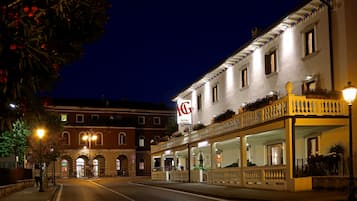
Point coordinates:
pixel 265 177
pixel 289 105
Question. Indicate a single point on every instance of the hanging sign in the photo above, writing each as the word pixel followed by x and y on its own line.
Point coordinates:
pixel 184 111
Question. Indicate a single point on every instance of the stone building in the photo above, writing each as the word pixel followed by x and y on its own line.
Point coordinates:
pixel 102 138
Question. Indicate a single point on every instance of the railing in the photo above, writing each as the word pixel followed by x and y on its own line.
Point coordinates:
pixel 158 175
pixel 269 177
pixel 225 176
pixel 289 105
pixel 178 175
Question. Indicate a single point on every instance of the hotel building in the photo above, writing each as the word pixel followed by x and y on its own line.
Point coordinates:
pixel 264 116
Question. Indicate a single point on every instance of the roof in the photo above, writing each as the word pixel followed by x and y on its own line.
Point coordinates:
pixel 98 103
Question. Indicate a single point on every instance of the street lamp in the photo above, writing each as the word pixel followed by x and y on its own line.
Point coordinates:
pixel 349 94
pixel 54 165
pixel 40 133
pixel 89 137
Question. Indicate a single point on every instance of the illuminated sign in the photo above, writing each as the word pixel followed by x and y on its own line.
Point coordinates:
pixel 184 111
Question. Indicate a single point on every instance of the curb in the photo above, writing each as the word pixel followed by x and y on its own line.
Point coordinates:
pixel 54 194
pixel 201 193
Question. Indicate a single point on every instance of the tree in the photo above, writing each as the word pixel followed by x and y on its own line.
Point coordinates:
pixel 38 37
pixel 14 142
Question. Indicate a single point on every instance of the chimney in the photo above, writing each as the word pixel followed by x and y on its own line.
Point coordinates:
pixel 255 32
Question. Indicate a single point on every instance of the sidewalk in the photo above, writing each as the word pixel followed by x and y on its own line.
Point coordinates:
pixel 32 194
pixel 236 193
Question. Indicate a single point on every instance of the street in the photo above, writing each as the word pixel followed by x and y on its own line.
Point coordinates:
pixel 120 189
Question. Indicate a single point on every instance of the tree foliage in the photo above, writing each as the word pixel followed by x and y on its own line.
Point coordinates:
pixel 15 142
pixel 38 37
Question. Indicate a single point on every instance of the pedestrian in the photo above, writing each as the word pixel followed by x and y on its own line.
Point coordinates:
pixel 37 175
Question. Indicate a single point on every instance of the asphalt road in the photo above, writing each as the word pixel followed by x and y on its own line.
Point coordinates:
pixel 120 189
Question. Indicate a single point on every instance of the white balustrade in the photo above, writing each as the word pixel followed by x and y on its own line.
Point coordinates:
pixel 287 106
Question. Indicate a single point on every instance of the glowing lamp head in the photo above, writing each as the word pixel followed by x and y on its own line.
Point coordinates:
pixel 349 93
pixel 40 133
pixel 85 137
pixel 94 137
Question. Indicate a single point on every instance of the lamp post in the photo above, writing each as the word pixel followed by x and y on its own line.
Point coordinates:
pixel 40 133
pixel 349 94
pixel 89 137
pixel 54 165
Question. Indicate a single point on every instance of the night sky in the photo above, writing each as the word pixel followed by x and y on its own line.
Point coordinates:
pixel 151 50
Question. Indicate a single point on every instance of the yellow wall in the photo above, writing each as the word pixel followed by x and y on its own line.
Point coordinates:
pixel 332 137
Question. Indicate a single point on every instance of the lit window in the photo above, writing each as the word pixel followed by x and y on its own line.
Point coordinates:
pixel 244 77
pixel 157 120
pixel 141 141
pixel 270 63
pixel 65 138
pixel 141 164
pixel 117 161
pixel 215 93
pixel 64 117
pixel 141 120
pixel 79 118
pixel 122 139
pixel 310 42
pixel 199 102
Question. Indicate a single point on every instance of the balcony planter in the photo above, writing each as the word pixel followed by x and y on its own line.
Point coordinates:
pixel 224 116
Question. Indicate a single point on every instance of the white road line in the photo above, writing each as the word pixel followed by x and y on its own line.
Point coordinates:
pixel 58 198
pixel 113 191
pixel 182 192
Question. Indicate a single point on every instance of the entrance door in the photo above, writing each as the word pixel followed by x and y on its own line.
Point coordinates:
pixel 80 167
pixel 275 154
pixel 312 146
pixel 64 168
pixel 95 168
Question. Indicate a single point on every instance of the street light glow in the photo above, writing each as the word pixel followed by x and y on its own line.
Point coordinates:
pixel 349 93
pixel 40 133
pixel 85 137
pixel 94 137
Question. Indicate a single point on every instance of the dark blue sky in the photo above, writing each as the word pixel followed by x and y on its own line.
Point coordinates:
pixel 151 50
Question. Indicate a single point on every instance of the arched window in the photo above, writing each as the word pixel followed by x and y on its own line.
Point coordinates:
pixel 141 141
pixel 81 140
pixel 99 140
pixel 122 138
pixel 65 138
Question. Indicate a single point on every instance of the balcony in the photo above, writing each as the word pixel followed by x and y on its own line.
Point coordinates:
pixel 290 105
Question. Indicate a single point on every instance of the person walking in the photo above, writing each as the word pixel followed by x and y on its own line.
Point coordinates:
pixel 37 175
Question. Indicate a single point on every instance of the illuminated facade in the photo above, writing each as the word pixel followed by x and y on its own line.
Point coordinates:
pixel 264 114
pixel 108 140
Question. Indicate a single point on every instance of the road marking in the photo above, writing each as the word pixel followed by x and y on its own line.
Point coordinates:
pixel 182 192
pixel 113 191
pixel 58 198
